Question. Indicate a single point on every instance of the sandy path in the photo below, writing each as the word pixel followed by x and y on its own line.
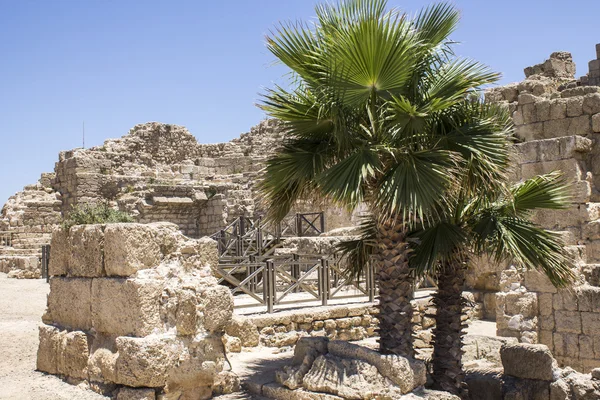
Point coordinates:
pixel 22 303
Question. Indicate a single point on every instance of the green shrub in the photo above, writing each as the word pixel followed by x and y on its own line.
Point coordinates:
pixel 95 214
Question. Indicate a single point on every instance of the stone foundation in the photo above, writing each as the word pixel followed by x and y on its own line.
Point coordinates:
pixel 134 311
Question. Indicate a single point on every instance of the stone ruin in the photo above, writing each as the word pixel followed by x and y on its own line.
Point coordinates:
pixel 157 172
pixel 160 173
pixel 134 311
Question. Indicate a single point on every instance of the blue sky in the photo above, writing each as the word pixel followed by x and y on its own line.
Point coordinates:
pixel 201 64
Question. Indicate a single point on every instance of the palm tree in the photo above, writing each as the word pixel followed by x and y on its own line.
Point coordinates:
pixel 377 115
pixel 478 223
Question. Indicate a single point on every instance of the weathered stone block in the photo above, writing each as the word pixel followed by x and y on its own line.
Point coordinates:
pixel 49 349
pixel 590 322
pixel 545 304
pixel 542 110
pixel 591 103
pixel 574 106
pixel 581 125
pixel 73 355
pixel 596 122
pixel 145 361
pixel 571 168
pixel 86 255
pixel 557 128
pixel 522 303
pixel 125 307
pixel 132 247
pixel 218 308
pixel 536 281
pixel 70 303
pixel 244 329
pixel 539 365
pixel 127 393
pixel 59 253
pixel 558 109
pixel 567 321
pixel 102 364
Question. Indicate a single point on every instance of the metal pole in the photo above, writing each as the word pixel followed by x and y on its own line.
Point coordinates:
pixel 322 218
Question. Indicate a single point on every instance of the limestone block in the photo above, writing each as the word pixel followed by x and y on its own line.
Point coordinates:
pixel 145 361
pixel 545 304
pixel 86 255
pixel 59 253
pixel 244 329
pixel 588 298
pixel 187 319
pixel 533 131
pixel 127 393
pixel 126 306
pixel 558 109
pixel 218 308
pixel 70 303
pixel 539 365
pixel 529 113
pixel 568 321
pixel 590 322
pixel 565 299
pixel 102 364
pixel 73 355
pixel 542 110
pixel 591 103
pixel 574 106
pixel 593 249
pixel 527 98
pixel 233 344
pixel 557 128
pixel 596 122
pixel 522 303
pixel 571 168
pixel 49 349
pixel 132 247
pixel 536 281
pixel 581 125
pixel 575 215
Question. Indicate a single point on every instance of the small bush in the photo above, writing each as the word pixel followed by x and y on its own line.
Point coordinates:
pixel 94 214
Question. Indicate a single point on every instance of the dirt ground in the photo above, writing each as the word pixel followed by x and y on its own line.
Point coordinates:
pixel 22 303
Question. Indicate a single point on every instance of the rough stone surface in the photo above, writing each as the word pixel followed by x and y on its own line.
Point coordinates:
pixel 528 361
pixel 154 334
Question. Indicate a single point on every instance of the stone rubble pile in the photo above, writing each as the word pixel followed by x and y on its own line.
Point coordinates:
pixel 336 369
pixel 134 311
pixel 529 372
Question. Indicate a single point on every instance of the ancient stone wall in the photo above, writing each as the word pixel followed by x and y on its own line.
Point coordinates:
pixel 558 121
pixel 134 310
pixel 529 371
pixel 26 223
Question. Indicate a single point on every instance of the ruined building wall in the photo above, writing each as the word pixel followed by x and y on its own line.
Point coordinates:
pixel 558 120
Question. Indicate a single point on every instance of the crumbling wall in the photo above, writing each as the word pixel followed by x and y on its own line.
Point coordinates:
pixel 134 309
pixel 530 372
pixel 26 223
pixel 558 121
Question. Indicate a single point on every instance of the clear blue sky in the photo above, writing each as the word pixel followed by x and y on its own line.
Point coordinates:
pixel 201 64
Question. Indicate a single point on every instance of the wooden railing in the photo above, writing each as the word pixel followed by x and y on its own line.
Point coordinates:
pixel 247 237
pixel 294 279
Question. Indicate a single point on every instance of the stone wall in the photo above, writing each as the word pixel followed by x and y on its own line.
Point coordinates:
pixel 558 121
pixel 134 310
pixel 530 372
pixel 336 322
pixel 27 220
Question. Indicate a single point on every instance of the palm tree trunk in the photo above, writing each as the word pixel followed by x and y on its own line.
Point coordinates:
pixel 448 373
pixel 395 290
